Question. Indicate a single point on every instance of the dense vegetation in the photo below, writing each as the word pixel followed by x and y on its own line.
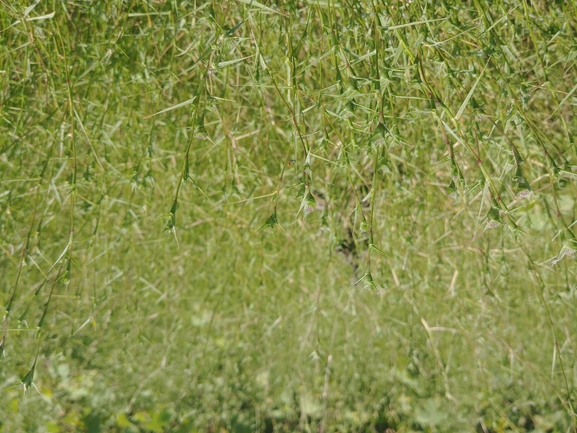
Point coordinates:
pixel 335 215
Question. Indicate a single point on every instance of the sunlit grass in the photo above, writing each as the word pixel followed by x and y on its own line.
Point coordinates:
pixel 280 216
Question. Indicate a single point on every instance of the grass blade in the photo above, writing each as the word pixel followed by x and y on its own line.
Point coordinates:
pixel 470 94
pixel 174 107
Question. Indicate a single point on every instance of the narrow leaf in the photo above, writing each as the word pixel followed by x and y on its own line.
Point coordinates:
pixel 232 62
pixel 470 94
pixel 27 380
pixel 174 107
pixel 259 5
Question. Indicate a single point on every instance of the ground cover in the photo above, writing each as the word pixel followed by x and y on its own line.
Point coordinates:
pixel 288 216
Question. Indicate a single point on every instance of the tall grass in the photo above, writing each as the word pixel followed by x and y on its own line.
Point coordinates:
pixel 291 215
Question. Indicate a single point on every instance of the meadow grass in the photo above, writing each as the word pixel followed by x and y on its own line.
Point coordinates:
pixel 288 216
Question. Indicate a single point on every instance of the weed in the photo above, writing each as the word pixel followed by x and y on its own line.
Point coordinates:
pixel 370 208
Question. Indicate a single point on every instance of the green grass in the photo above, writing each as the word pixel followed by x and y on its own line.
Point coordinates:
pixel 288 216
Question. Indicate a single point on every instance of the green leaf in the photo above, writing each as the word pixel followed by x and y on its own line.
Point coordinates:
pixel 200 130
pixel 186 173
pixel 27 380
pixel 174 107
pixel 522 187
pixel 123 421
pixel 65 277
pixel 470 94
pixel 430 413
pixel 457 173
pixel 301 192
pixel 259 5
pixel 308 203
pixel 269 224
pixel 232 62
pixel 516 155
pixel 369 280
pixel 172 217
pixel 493 218
pixel 235 28
pixel 452 190
pixel 374 247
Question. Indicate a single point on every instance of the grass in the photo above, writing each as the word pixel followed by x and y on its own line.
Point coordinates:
pixel 288 216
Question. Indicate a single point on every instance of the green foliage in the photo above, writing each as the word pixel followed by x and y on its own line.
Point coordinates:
pixel 417 156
